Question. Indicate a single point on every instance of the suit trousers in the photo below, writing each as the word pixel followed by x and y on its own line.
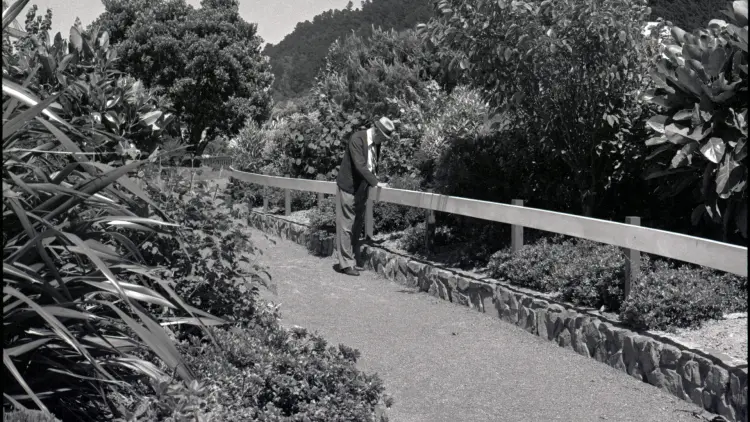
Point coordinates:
pixel 350 220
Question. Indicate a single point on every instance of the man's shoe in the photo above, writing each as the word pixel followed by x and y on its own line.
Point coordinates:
pixel 359 268
pixel 348 270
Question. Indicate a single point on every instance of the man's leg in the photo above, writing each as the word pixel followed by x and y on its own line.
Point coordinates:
pixel 360 202
pixel 344 221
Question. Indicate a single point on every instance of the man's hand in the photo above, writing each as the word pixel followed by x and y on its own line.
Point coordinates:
pixel 382 185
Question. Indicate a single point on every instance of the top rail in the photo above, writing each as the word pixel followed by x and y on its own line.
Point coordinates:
pixel 708 253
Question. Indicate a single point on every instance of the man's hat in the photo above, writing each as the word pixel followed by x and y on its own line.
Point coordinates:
pixel 386 127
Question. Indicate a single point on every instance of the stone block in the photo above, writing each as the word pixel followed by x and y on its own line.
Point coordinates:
pixel 523 318
pixel 696 396
pixel 717 381
pixel 555 324
pixel 649 354
pixel 667 379
pixel 709 401
pixel 616 361
pixel 563 339
pixel 738 391
pixel 539 304
pixel 670 357
pixel 593 337
pixel 630 353
pixel 725 409
pixel 690 372
pixel 540 321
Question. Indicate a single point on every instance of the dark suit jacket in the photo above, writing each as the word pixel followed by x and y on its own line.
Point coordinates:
pixel 353 171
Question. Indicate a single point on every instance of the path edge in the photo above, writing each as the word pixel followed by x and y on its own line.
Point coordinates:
pixel 709 379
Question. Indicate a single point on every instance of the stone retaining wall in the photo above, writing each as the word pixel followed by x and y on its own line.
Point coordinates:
pixel 706 379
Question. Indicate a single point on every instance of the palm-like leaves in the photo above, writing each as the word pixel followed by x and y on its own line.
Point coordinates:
pixel 78 299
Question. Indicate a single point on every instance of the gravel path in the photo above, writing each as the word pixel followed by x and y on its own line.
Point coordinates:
pixel 446 363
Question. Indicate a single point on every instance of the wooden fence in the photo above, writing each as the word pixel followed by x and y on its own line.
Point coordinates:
pixel 630 236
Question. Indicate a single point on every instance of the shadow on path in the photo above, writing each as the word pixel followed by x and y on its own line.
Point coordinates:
pixel 446 363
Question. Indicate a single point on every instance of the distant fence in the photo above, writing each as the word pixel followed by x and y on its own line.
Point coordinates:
pixel 629 236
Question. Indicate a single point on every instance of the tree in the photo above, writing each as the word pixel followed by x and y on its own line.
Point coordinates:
pixel 207 60
pixel 568 71
pixel 298 58
pixel 702 91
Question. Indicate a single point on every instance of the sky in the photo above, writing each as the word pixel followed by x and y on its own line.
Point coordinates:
pixel 275 18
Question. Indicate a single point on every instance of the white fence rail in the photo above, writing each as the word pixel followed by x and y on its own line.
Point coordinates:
pixel 630 236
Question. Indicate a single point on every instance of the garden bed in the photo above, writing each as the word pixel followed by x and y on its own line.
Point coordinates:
pixel 727 336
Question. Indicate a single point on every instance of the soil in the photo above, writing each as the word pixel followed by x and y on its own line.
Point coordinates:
pixel 728 336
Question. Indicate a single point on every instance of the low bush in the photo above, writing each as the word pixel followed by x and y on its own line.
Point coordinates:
pixel 212 261
pixel 392 217
pixel 667 297
pixel 412 240
pixel 323 218
pixel 264 372
pixel 591 274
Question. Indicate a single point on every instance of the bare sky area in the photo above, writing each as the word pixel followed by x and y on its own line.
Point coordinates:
pixel 275 18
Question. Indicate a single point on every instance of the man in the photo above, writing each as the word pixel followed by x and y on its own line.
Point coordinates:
pixel 356 175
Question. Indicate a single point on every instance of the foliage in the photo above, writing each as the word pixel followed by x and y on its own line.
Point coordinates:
pixel 109 107
pixel 212 262
pixel 583 272
pixel 78 294
pixel 667 297
pixel 412 239
pixel 686 14
pixel 323 218
pixel 26 415
pixel 568 72
pixel 389 218
pixel 591 274
pixel 216 76
pixel 300 56
pixel 387 74
pixel 701 87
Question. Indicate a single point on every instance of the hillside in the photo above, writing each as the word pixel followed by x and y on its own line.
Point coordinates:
pixel 296 60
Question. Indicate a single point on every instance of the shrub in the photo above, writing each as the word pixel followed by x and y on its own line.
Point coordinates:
pixel 702 89
pixel 591 274
pixel 268 373
pixel 533 266
pixel 583 272
pixel 412 240
pixel 265 372
pixel 666 297
pixel 77 306
pixel 392 217
pixel 212 262
pixel 324 218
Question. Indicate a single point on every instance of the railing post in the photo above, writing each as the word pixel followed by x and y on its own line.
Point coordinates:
pixel 320 200
pixel 632 261
pixel 369 219
pixel 287 201
pixel 516 232
pixel 429 233
pixel 265 198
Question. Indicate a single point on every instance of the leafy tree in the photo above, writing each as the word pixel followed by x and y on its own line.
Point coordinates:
pixel 702 91
pixel 568 70
pixel 207 60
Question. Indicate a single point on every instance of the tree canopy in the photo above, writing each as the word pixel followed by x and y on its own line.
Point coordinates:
pixel 207 61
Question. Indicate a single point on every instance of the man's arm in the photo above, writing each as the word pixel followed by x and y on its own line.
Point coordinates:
pixel 358 154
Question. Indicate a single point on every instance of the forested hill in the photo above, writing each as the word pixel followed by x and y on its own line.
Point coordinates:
pixel 296 60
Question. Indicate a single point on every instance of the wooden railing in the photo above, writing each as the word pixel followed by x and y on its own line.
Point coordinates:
pixel 629 236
